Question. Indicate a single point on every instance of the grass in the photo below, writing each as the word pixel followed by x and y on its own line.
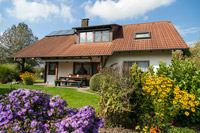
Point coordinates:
pixel 89 90
pixel 73 98
pixel 39 81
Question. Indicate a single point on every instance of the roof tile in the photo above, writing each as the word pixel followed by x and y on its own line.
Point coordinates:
pixel 163 36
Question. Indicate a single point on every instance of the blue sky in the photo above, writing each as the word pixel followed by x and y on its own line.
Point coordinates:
pixel 45 16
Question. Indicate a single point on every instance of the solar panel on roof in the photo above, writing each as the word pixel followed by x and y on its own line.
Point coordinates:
pixel 61 33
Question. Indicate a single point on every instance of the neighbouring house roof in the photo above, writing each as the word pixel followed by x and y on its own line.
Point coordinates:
pixel 164 36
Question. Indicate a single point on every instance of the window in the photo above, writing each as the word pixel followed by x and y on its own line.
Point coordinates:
pixel 82 37
pixel 142 35
pixel 89 37
pixel 52 68
pixel 97 36
pixel 105 36
pixel 141 64
pixel 82 68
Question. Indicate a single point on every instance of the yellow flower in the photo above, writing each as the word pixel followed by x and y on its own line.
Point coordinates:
pixel 159 100
pixel 193 110
pixel 137 127
pixel 153 93
pixel 187 113
pixel 174 102
pixel 196 103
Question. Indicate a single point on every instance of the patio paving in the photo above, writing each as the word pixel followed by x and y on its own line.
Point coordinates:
pixel 81 89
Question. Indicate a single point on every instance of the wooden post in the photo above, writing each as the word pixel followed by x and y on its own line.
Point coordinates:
pixel 56 71
pixel 102 61
pixel 23 61
pixel 45 73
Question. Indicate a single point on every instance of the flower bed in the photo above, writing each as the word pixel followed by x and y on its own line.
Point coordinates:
pixel 25 110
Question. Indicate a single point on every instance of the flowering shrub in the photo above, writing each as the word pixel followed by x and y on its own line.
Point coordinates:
pixel 27 78
pixel 167 99
pixel 25 110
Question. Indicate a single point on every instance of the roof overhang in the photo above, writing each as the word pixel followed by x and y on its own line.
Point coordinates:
pixel 107 26
pixel 67 60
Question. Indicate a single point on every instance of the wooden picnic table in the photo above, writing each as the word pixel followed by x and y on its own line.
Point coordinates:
pixel 71 79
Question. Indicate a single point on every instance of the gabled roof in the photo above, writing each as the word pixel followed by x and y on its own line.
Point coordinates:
pixel 164 36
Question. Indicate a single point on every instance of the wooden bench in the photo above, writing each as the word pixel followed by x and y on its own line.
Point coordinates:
pixel 57 82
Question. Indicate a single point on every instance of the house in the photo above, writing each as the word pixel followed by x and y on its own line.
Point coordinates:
pixel 81 50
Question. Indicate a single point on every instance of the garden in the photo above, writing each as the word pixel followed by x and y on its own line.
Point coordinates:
pixel 167 100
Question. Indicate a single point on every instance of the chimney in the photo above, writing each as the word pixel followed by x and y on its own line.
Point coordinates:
pixel 84 22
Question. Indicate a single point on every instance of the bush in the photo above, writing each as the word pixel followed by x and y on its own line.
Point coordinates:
pixel 117 96
pixel 25 110
pixel 27 78
pixel 95 82
pixel 8 72
pixel 187 76
pixel 167 101
pixel 184 73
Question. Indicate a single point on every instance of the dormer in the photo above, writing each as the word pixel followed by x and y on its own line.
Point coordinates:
pixel 95 34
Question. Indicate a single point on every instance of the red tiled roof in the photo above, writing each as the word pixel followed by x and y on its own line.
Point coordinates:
pixel 164 36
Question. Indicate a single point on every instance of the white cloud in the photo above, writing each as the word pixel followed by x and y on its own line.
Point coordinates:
pixel 188 30
pixel 37 10
pixel 111 10
pixel 65 13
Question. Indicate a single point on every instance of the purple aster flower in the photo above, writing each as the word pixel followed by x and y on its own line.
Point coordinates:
pixel 63 122
pixel 27 104
pixel 74 124
pixel 27 120
pixel 23 111
pixel 9 112
pixel 10 116
pixel 34 123
pixel 46 126
pixel 50 113
pixel 19 113
pixel 60 112
pixel 8 107
pixel 86 123
pixel 66 124
pixel 30 111
pixel 16 128
pixel 52 104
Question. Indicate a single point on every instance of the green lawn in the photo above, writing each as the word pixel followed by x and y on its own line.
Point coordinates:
pixel 73 98
pixel 39 81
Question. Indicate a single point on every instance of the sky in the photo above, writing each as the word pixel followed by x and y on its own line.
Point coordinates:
pixel 45 16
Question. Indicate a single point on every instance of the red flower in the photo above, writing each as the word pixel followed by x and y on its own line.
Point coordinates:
pixel 98 68
pixel 156 128
pixel 151 114
pixel 172 122
pixel 148 123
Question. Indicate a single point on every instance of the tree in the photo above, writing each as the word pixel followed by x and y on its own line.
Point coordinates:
pixel 15 39
pixel 195 53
